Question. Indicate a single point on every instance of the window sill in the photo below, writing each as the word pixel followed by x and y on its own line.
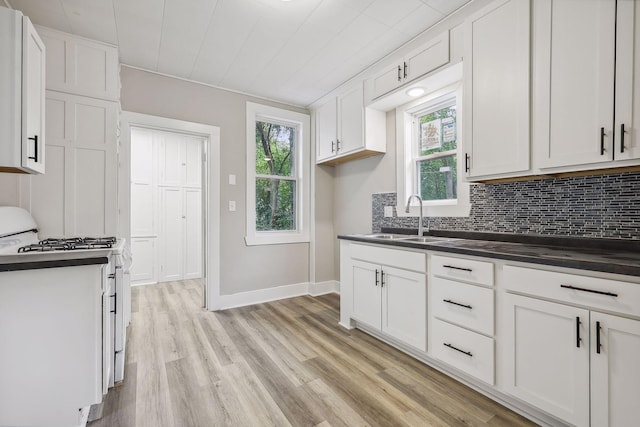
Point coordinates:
pixel 276 238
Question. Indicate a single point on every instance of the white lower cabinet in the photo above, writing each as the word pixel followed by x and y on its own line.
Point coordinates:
pixel 548 364
pixel 575 363
pixel 392 300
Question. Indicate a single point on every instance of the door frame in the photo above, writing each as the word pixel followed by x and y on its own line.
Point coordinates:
pixel 211 179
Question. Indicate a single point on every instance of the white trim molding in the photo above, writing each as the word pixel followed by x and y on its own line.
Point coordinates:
pixel 211 134
pixel 259 296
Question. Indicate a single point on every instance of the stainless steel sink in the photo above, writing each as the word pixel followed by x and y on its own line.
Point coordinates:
pixel 426 239
pixel 387 236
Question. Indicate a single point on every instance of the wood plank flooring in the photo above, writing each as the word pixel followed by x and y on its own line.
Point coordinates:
pixel 275 364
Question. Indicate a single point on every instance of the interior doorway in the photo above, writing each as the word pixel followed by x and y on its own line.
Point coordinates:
pixel 166 205
pixel 169 200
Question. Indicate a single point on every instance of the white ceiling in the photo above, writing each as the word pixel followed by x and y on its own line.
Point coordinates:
pixel 295 51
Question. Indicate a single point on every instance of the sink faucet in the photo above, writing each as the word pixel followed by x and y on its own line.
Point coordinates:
pixel 420 228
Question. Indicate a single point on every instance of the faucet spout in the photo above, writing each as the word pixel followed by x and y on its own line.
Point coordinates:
pixel 420 220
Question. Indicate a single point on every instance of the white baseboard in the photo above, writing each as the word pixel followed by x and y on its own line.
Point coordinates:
pixel 276 293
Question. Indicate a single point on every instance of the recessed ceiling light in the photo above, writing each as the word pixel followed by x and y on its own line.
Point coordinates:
pixel 415 92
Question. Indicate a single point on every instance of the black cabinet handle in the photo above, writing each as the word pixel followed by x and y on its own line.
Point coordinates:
pixel 466 162
pixel 382 278
pixel 611 294
pixel 399 74
pixel 457 303
pixel 35 150
pixel 622 138
pixel 578 331
pixel 598 345
pixel 337 145
pixel 377 280
pixel 457 268
pixel 468 353
pixel 333 144
pixel 405 69
pixel 602 141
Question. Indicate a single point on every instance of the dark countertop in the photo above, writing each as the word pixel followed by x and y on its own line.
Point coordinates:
pixel 38 260
pixel 605 255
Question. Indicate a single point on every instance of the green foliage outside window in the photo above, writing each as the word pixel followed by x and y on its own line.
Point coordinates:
pixel 276 182
pixel 437 161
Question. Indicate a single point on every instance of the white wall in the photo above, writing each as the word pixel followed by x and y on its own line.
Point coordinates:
pixel 242 268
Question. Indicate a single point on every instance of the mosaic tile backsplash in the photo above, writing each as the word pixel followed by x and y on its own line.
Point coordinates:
pixel 605 206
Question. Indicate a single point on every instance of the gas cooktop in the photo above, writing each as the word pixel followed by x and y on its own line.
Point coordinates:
pixel 69 244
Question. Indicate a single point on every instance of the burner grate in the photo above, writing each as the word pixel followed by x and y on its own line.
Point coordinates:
pixel 70 244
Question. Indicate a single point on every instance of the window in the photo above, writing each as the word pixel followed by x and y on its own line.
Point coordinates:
pixel 428 151
pixel 277 175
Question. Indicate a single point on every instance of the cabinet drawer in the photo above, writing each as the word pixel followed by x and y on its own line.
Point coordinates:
pixel 479 272
pixel 593 292
pixel 407 260
pixel 468 351
pixel 465 305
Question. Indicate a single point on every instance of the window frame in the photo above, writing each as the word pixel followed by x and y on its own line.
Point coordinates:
pixel 406 155
pixel 301 175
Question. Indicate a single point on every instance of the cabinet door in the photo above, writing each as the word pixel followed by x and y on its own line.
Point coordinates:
pixel 497 89
pixel 627 128
pixel 404 306
pixel 351 121
pixel 430 56
pixel 548 363
pixel 367 295
pixel 193 233
pixel 389 79
pixel 193 162
pixel 33 104
pixel 172 234
pixel 615 372
pixel 327 129
pixel 143 270
pixel 171 162
pixel 574 47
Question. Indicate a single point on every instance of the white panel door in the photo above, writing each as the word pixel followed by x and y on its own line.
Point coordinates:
pixel 327 128
pixel 143 269
pixel 404 306
pixel 171 162
pixel 367 293
pixel 172 234
pixel 48 194
pixel 351 120
pixel 548 362
pixel 193 234
pixel 143 191
pixel 193 162
pixel 497 89
pixel 615 371
pixel 142 158
pixel 627 129
pixel 574 83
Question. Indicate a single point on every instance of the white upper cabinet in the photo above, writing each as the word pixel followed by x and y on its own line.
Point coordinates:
pixel 574 82
pixel 496 90
pixel 417 63
pixel 81 66
pixel 180 159
pixel 22 87
pixel 627 108
pixel 346 130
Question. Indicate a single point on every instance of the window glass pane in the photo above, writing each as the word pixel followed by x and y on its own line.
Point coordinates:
pixel 275 204
pixel 275 146
pixel 438 178
pixel 437 131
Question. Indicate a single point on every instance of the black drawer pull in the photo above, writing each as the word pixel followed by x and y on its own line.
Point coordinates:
pixel 598 344
pixel 622 131
pixel 399 74
pixel 35 148
pixel 467 168
pixel 457 268
pixel 578 332
pixel 611 294
pixel 377 279
pixel 457 303
pixel 468 353
pixel 602 134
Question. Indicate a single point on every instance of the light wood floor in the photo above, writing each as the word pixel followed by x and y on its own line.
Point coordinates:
pixel 281 363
